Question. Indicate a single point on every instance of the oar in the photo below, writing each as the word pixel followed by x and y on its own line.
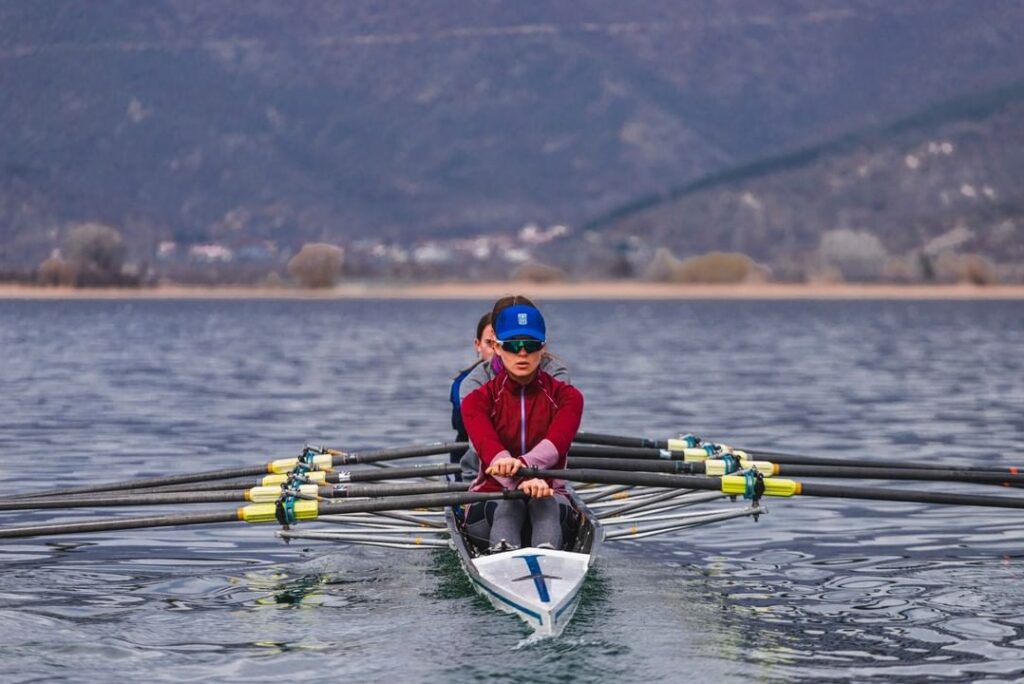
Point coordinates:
pixel 770 469
pixel 740 485
pixel 255 494
pixel 632 464
pixel 603 451
pixel 886 473
pixel 352 491
pixel 327 458
pixel 157 499
pixel 370 475
pixel 697 454
pixel 798 459
pixel 261 513
pixel 312 477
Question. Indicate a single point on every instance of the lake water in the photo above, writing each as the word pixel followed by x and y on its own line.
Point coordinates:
pixel 817 590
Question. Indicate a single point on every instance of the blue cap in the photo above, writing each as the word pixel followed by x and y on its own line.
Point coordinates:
pixel 520 320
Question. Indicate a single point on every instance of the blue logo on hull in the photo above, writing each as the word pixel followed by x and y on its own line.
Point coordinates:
pixel 537 575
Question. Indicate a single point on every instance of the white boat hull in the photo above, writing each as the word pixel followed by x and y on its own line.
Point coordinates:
pixel 541 586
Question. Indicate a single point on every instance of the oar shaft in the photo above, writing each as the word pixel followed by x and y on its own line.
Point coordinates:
pixel 212 492
pixel 864 472
pixel 257 513
pixel 150 482
pixel 606 451
pixel 193 487
pixel 362 475
pixel 627 478
pixel 126 500
pixel 337 458
pixel 775 487
pixel 370 475
pixel 817 466
pixel 408 502
pixel 342 458
pixel 619 441
pixel 88 496
pixel 798 459
pixel 633 464
pixel 886 473
pixel 352 491
pixel 117 524
pixel 911 496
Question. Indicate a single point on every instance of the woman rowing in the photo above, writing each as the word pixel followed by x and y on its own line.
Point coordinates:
pixel 522 416
pixel 480 373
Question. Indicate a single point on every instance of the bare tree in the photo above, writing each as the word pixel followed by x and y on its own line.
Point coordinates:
pixel 96 251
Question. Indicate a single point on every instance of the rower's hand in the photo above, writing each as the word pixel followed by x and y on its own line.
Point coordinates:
pixel 505 467
pixel 536 488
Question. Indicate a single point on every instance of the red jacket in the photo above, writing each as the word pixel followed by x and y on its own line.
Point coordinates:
pixel 535 423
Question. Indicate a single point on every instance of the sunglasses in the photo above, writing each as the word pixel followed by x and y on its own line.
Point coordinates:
pixel 515 346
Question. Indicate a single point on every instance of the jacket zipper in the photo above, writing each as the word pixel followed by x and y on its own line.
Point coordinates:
pixel 522 420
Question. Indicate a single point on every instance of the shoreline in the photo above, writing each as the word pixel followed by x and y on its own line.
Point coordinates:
pixel 594 290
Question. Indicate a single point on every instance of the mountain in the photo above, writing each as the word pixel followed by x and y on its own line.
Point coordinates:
pixel 947 177
pixel 235 122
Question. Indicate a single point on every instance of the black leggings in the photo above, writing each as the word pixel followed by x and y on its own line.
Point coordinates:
pixel 549 520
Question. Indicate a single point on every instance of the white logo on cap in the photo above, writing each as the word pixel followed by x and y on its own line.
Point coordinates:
pixel 523 319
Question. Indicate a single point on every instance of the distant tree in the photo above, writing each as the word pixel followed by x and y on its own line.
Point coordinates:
pixel 317 265
pixel 716 267
pixel 713 267
pixel 902 269
pixel 96 252
pixel 858 255
pixel 952 267
pixel 536 272
pixel 56 271
pixel 978 270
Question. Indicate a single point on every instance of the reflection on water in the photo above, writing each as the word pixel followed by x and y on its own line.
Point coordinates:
pixel 817 590
pixel 862 617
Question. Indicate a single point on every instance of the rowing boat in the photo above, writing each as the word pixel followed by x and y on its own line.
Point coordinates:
pixel 540 585
pixel 621 501
pixel 413 510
